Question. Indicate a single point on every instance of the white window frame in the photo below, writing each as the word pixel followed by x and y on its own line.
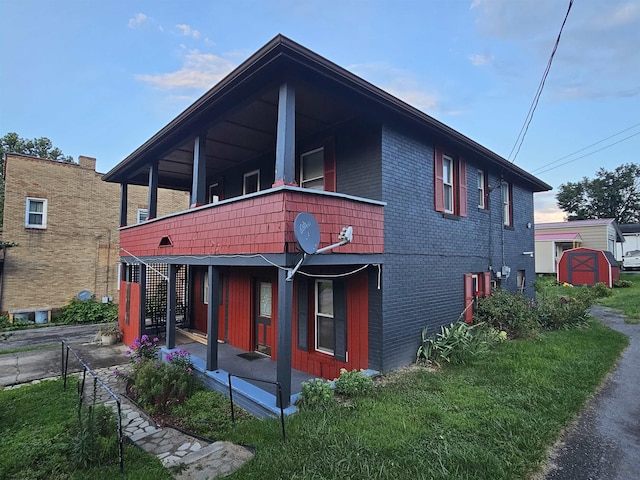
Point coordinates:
pixel 482 199
pixel 27 224
pixel 248 175
pixel 205 287
pixel 448 183
pixel 142 212
pixel 506 205
pixel 323 315
pixel 304 180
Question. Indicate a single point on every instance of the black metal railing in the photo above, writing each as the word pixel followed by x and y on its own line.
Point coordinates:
pixel 96 382
pixel 233 419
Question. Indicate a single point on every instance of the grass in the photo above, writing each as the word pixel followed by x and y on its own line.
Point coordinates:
pixel 36 425
pixel 28 349
pixel 492 419
pixel 626 299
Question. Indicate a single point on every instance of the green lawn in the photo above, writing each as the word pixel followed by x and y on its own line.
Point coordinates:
pixel 492 419
pixel 626 299
pixel 35 425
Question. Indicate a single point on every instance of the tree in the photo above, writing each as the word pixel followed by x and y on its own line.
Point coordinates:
pixel 610 195
pixel 38 147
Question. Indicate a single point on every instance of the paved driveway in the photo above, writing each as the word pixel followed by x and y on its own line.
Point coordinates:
pixel 605 443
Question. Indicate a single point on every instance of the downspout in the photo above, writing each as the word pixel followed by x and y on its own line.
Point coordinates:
pixel 4 258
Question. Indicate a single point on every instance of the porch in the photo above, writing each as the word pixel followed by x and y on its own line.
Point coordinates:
pixel 255 396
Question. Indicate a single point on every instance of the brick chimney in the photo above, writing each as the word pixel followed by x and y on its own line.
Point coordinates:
pixel 87 162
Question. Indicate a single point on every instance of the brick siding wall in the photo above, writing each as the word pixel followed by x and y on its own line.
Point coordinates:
pixel 79 249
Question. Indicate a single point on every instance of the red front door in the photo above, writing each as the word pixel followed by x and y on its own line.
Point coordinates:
pixel 264 316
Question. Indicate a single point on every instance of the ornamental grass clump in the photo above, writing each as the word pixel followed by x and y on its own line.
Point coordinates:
pixel 154 384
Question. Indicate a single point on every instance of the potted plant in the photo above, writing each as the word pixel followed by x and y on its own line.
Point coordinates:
pixel 109 333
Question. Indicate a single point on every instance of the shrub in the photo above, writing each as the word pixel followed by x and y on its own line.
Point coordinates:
pixel 143 348
pixel 87 311
pixel 561 311
pixel 458 343
pixel 316 394
pixel 622 284
pixel 354 383
pixel 509 312
pixel 600 290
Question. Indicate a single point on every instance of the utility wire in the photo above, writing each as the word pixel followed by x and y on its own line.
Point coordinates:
pixel 585 148
pixel 590 153
pixel 536 98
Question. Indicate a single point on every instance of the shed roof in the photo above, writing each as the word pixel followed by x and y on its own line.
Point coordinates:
pixel 577 224
pixel 559 237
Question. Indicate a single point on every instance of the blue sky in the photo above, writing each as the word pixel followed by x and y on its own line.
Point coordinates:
pixel 100 77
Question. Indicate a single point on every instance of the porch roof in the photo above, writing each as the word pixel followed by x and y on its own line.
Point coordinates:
pixel 238 116
pixel 559 237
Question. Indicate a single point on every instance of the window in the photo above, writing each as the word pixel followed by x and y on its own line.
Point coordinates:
pixel 143 214
pixel 482 189
pixel 312 169
pixel 507 205
pixel 205 287
pixel 324 316
pixel 520 280
pixel 476 285
pixel 214 192
pixel 450 185
pixel 36 214
pixel 251 183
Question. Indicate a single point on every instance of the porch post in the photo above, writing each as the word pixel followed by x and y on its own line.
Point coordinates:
pixel 285 314
pixel 143 299
pixel 171 306
pixel 153 191
pixel 199 174
pixel 286 136
pixel 123 204
pixel 212 318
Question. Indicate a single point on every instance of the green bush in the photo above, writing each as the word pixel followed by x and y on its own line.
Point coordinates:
pixel 87 311
pixel 600 290
pixel 509 312
pixel 458 343
pixel 354 383
pixel 316 394
pixel 562 311
pixel 622 284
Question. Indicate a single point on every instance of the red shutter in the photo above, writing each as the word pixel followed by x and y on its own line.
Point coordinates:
pixel 487 284
pixel 468 297
pixel 329 165
pixel 462 188
pixel 438 184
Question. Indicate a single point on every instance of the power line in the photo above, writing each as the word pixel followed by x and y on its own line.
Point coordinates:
pixel 583 149
pixel 590 153
pixel 536 98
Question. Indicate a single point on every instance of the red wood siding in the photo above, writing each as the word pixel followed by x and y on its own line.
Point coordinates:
pixel 262 224
pixel 130 330
pixel 323 365
pixel 200 309
pixel 240 309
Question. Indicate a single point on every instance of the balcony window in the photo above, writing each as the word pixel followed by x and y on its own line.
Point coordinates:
pixel 312 169
pixel 251 183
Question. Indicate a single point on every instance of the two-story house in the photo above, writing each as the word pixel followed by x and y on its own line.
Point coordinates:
pixel 437 219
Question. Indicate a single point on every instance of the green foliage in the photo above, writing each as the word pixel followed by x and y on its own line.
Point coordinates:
pixel 626 299
pixel 509 312
pixel 600 290
pixel 610 195
pixel 554 311
pixel 353 384
pixel 458 343
pixel 622 284
pixel 94 442
pixel 316 394
pixel 87 311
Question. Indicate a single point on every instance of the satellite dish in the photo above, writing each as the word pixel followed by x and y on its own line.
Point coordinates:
pixel 307 232
pixel 84 295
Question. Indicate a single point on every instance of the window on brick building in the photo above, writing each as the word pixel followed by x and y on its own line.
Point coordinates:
pixel 482 189
pixel 507 204
pixel 143 214
pixel 450 184
pixel 36 213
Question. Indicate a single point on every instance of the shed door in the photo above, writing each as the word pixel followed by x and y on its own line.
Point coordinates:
pixel 583 268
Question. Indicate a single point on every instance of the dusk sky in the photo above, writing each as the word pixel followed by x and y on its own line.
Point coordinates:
pixel 100 77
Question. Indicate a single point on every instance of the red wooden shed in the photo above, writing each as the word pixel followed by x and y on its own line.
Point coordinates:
pixel 586 266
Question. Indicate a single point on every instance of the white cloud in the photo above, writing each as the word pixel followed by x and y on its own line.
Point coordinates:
pixel 137 21
pixel 546 208
pixel 187 31
pixel 480 60
pixel 199 71
pixel 399 83
pixel 622 15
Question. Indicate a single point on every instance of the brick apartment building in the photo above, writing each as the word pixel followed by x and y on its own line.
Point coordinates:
pixel 65 221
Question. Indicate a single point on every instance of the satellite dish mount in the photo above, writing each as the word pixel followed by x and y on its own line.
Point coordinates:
pixel 307 233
